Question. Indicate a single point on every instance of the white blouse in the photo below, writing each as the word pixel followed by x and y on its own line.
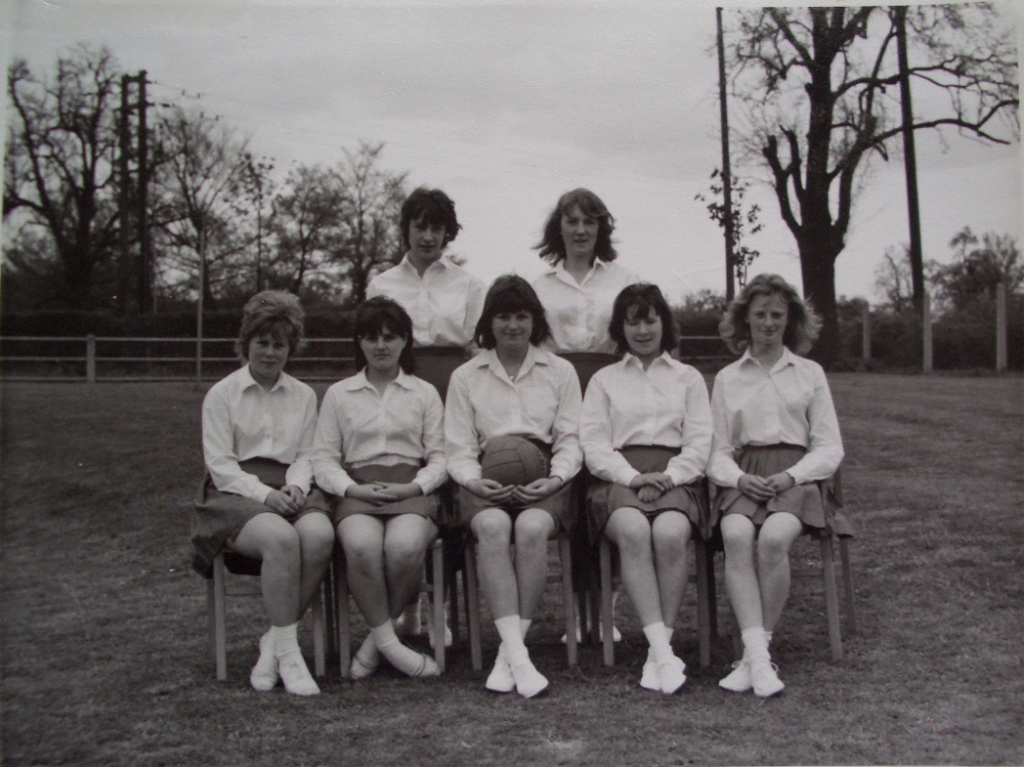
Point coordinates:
pixel 667 405
pixel 241 420
pixel 791 403
pixel 483 402
pixel 579 312
pixel 358 426
pixel 444 304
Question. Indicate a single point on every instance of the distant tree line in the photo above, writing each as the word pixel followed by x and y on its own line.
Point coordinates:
pixel 217 221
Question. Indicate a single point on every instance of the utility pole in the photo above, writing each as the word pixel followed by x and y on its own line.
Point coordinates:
pixel 133 200
pixel 730 244
pixel 145 257
pixel 910 162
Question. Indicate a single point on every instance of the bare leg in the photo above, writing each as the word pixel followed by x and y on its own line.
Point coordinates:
pixel 274 540
pixel 778 533
pixel 316 543
pixel 362 537
pixel 534 527
pixel 406 539
pixel 628 529
pixel 671 533
pixel 493 531
pixel 740 576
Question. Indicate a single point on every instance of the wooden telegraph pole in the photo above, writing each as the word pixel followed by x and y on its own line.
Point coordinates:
pixel 730 244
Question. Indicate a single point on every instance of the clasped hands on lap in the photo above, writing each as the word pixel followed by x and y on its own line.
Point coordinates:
pixel 762 489
pixel 287 501
pixel 650 487
pixel 495 492
pixel 381 493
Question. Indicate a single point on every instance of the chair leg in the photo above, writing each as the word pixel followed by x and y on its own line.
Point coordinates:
pixel 319 619
pixel 847 570
pixel 565 555
pixel 828 571
pixel 330 613
pixel 217 615
pixel 452 584
pixel 703 602
pixel 341 602
pixel 437 593
pixel 473 607
pixel 607 621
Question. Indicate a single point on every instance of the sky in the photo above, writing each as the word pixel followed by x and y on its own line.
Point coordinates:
pixel 505 106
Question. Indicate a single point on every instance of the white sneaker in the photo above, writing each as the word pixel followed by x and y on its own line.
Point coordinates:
pixel 500 679
pixel 765 679
pixel 295 675
pixel 738 679
pixel 649 678
pixel 672 675
pixel 264 674
pixel 530 683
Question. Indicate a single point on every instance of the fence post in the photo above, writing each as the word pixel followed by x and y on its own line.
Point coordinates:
pixel 926 333
pixel 1000 326
pixel 865 324
pixel 90 358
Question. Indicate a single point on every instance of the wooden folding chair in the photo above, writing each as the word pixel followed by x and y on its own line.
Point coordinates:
pixel 237 575
pixel 432 584
pixel 473 600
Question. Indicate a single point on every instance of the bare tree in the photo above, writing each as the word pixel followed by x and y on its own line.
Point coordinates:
pixel 201 204
pixel 369 238
pixel 978 265
pixel 59 169
pixel 893 279
pixel 821 88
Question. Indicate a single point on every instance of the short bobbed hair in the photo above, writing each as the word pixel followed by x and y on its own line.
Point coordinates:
pixel 802 326
pixel 435 208
pixel 552 247
pixel 276 313
pixel 374 316
pixel 639 300
pixel 509 294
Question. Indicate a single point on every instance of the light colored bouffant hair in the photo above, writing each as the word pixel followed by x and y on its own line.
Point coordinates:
pixel 274 312
pixel 552 246
pixel 802 327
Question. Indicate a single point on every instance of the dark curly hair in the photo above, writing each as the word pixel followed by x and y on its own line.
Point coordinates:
pixel 277 313
pixel 435 208
pixel 508 294
pixel 552 247
pixel 640 300
pixel 802 326
pixel 372 317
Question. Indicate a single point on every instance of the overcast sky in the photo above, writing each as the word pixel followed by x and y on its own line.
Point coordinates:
pixel 507 105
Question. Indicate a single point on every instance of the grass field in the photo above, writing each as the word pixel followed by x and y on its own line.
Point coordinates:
pixel 105 658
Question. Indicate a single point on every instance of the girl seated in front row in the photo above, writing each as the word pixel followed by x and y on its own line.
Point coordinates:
pixel 646 434
pixel 514 388
pixel 776 441
pixel 379 449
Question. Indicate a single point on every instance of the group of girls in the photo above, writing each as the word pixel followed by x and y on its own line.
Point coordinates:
pixel 445 368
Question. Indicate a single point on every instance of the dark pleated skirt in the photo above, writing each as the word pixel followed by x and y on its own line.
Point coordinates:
pixel 435 365
pixel 604 498
pixel 423 505
pixel 817 504
pixel 560 504
pixel 219 517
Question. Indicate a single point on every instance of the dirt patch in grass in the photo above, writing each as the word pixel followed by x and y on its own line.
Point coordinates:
pixel 104 653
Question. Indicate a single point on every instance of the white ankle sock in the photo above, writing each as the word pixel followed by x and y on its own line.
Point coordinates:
pixel 755 643
pixel 658 639
pixel 405 659
pixel 285 639
pixel 511 633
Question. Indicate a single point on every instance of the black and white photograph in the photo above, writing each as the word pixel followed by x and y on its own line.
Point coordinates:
pixel 533 382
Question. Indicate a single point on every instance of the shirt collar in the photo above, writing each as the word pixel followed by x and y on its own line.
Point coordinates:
pixel 284 381
pixel 631 360
pixel 561 273
pixel 441 263
pixel 787 358
pixel 360 381
pixel 534 356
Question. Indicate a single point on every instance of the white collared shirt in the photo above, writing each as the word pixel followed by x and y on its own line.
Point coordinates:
pixel 791 403
pixel 444 304
pixel 579 312
pixel 667 405
pixel 241 420
pixel 358 426
pixel 483 402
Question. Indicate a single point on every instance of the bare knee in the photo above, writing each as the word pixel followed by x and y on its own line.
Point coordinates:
pixel 492 529
pixel 316 538
pixel 632 535
pixel 403 551
pixel 772 550
pixel 533 530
